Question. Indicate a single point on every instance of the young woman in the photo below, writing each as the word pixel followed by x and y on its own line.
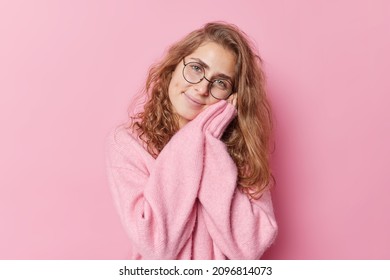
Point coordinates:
pixel 190 173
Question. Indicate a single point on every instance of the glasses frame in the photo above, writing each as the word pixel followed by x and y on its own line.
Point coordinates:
pixel 211 82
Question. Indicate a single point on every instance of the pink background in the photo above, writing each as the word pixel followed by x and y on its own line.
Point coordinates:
pixel 69 68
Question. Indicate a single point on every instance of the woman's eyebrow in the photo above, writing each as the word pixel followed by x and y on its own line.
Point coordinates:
pixel 205 66
pixel 201 62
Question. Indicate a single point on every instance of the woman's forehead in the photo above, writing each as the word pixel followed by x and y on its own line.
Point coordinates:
pixel 215 58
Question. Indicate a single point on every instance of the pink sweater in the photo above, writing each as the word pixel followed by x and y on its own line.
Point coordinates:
pixel 185 204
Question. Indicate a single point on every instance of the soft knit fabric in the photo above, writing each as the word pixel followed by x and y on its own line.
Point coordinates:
pixel 185 203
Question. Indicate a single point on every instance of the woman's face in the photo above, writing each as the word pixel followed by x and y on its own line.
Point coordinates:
pixel 187 99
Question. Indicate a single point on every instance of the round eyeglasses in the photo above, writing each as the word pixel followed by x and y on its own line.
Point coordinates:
pixel 194 73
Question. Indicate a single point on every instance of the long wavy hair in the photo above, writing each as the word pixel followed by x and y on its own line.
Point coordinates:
pixel 247 137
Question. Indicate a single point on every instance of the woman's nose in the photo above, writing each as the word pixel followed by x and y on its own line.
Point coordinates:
pixel 203 87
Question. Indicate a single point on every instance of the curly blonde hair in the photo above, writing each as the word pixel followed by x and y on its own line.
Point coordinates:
pixel 247 137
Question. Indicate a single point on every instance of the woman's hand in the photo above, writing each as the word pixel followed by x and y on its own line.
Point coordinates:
pixel 233 100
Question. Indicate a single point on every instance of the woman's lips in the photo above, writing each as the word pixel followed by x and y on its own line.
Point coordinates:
pixel 193 100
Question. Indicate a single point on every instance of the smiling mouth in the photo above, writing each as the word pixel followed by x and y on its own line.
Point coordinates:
pixel 193 100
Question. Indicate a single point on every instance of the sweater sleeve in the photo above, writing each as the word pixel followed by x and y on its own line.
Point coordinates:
pixel 241 228
pixel 156 198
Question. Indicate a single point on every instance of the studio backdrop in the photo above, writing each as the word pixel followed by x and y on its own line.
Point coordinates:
pixel 68 70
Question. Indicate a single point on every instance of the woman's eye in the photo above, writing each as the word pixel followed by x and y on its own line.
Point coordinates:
pixel 221 84
pixel 197 68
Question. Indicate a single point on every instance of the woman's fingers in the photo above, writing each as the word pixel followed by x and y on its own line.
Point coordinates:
pixel 233 99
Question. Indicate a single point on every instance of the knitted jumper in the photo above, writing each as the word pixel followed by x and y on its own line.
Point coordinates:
pixel 185 204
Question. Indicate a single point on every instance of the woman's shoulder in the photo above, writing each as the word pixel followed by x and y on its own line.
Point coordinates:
pixel 124 150
pixel 121 135
pixel 124 139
